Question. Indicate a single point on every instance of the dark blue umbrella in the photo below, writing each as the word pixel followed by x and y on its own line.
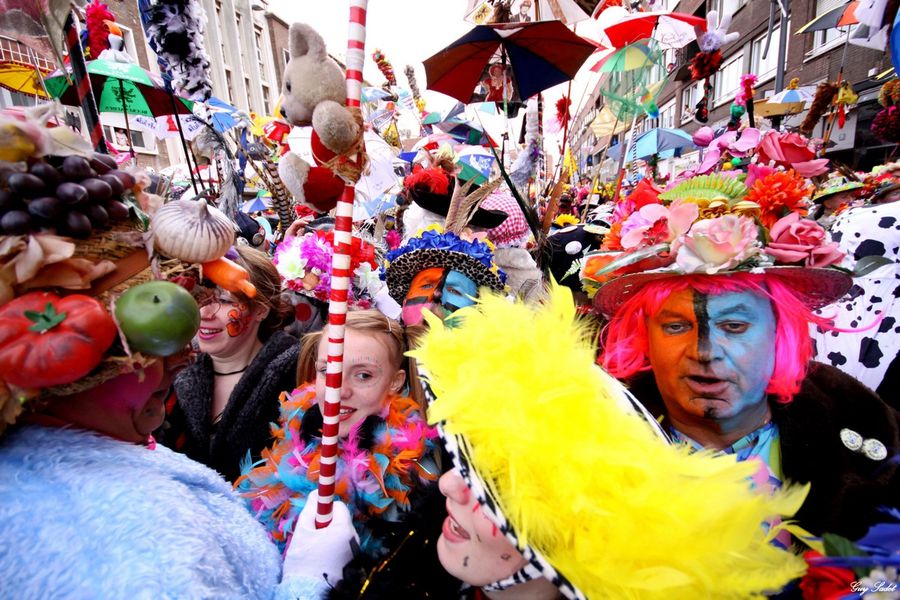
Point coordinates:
pixel 507 61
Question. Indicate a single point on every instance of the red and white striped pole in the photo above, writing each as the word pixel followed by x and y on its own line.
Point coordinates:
pixel 340 281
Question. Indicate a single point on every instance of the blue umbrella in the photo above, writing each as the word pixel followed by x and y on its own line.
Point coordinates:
pixel 257 204
pixel 656 141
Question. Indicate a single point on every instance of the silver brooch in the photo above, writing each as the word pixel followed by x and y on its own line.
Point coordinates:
pixel 851 439
pixel 871 448
pixel 874 449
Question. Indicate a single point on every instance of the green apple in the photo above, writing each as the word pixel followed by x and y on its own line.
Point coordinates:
pixel 157 317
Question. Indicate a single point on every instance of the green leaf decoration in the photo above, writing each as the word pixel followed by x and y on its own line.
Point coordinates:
pixel 707 187
pixel 836 545
pixel 45 320
pixel 867 264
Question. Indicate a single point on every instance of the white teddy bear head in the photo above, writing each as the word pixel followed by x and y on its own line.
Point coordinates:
pixel 310 77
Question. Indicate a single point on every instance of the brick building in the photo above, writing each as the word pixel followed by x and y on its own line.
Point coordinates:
pixel 810 57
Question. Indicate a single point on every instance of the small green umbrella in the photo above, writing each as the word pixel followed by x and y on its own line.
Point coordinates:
pixel 121 87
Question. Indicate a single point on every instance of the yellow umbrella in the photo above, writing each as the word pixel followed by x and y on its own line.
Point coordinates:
pixel 606 124
pixel 21 78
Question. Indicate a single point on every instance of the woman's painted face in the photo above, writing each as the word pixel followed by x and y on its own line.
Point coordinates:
pixel 441 291
pixel 227 324
pixel 128 407
pixel 713 356
pixel 371 373
pixel 471 547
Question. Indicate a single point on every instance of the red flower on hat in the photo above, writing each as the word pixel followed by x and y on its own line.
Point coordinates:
pixel 779 194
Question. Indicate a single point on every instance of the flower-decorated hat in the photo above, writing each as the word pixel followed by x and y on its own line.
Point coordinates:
pixel 716 225
pixel 435 247
pixel 836 185
pixel 304 263
pixel 579 477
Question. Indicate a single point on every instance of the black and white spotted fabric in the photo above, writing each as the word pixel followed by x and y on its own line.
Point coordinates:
pixel 866 355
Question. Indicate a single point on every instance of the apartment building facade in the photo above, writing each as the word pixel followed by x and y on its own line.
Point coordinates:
pixel 810 57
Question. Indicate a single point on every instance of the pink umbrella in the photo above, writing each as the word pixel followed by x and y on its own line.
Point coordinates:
pixel 670 29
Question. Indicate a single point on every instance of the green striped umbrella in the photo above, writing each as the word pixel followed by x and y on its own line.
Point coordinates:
pixel 121 87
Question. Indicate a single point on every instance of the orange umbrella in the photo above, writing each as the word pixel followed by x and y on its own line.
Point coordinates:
pixel 839 16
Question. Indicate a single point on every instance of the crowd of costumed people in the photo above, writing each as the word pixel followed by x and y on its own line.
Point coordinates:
pixel 491 380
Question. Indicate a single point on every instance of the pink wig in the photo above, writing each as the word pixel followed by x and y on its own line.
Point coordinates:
pixel 626 343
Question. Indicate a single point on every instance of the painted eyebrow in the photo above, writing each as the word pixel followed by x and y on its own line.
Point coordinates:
pixel 666 313
pixel 737 309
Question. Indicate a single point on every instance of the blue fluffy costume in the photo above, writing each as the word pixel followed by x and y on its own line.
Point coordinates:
pixel 87 516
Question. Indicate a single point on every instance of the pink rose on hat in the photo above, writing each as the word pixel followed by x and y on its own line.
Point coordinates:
pixel 714 245
pixel 655 223
pixel 795 240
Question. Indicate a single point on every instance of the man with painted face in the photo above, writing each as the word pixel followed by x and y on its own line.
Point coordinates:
pixel 725 361
pixel 440 272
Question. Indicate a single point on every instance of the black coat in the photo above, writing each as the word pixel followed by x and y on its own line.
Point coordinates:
pixel 846 487
pixel 252 406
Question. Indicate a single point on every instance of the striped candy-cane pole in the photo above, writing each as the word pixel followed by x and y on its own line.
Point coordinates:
pixel 340 281
pixel 83 84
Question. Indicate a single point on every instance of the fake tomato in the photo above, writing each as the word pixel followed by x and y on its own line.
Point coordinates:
pixel 46 340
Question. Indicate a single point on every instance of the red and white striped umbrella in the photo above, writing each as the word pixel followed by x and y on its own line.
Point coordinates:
pixel 340 282
pixel 670 29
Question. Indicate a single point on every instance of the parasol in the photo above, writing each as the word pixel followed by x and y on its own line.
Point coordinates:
pixel 669 29
pixel 507 62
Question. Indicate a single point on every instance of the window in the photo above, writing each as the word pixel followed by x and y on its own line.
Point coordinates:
pixel 765 67
pixel 667 114
pixel 265 91
pixel 830 37
pixel 247 85
pixel 690 96
pixel 229 84
pixel 728 79
pixel 118 136
pixel 258 38
pixel 728 7
pixel 128 39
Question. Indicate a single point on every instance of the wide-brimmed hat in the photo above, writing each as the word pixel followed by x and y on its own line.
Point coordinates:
pixel 432 189
pixel 437 248
pixel 836 185
pixel 573 470
pixel 719 236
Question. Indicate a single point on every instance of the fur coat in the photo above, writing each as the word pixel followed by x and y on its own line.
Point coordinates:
pixel 847 487
pixel 88 516
pixel 252 406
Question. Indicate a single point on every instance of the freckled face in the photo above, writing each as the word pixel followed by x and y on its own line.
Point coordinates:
pixel 371 373
pixel 471 547
pixel 713 356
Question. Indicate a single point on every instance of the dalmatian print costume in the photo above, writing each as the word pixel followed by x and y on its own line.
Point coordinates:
pixel 866 355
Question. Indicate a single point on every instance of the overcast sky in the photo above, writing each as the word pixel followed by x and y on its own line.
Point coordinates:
pixel 408 32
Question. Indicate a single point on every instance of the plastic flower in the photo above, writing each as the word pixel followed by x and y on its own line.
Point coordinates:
pixel 714 245
pixel 656 224
pixel 796 240
pixel 778 194
pixel 564 220
pixel 613 240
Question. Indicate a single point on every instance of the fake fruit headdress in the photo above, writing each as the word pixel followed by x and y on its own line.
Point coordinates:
pixel 715 225
pixel 578 476
pixel 435 247
pixel 84 296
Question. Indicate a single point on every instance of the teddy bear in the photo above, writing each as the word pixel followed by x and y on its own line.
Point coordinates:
pixel 314 93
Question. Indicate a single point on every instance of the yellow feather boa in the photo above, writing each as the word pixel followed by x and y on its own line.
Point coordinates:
pixel 613 508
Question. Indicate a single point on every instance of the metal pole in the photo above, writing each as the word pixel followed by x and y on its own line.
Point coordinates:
pixel 783 34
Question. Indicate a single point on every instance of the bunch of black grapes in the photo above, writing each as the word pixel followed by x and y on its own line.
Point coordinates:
pixel 71 196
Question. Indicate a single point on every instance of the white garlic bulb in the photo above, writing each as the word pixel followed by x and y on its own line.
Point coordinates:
pixel 192 231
